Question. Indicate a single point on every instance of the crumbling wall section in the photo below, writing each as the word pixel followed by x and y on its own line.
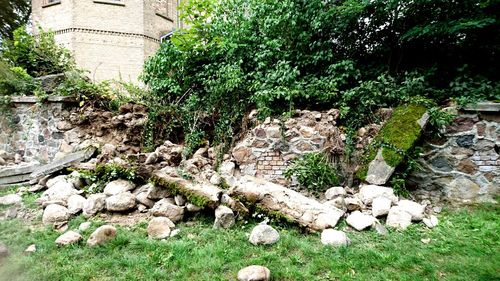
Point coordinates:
pixel 268 149
pixel 35 131
pixel 463 167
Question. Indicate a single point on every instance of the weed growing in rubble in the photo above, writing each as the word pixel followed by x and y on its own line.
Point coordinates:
pixel 313 171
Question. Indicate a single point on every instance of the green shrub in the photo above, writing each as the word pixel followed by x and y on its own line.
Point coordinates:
pixel 313 171
pixel 276 55
pixel 16 81
pixel 39 55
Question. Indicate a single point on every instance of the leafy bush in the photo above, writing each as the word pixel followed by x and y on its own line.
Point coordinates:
pixel 355 55
pixel 313 171
pixel 39 55
pixel 16 81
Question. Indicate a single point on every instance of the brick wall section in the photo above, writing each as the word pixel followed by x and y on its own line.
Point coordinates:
pixel 271 165
pixel 268 148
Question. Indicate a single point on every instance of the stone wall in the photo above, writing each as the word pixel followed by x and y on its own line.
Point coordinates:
pixel 32 130
pixel 43 131
pixel 464 166
pixel 267 150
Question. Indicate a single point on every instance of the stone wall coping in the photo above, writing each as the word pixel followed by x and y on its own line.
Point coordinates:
pixel 34 99
pixel 483 107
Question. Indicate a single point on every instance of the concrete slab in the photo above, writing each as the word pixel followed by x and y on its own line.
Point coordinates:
pixel 18 170
pixel 63 162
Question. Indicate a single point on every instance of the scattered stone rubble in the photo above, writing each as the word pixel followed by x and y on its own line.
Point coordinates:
pixel 171 197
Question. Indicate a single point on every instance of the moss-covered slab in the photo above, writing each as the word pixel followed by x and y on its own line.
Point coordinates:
pixel 201 195
pixel 395 139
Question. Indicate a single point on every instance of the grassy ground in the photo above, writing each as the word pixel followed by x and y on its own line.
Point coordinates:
pixel 465 246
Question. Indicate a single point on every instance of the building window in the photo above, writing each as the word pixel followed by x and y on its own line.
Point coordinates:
pixel 111 2
pixel 48 3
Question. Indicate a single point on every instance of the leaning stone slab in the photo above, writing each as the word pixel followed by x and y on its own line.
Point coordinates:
pixel 62 163
pixel 394 140
pixel 290 204
pixel 199 194
pixel 16 174
pixel 17 170
pixel 15 179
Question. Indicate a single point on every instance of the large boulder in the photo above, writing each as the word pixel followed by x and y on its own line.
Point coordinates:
pixel 11 199
pixel 334 192
pixel 118 186
pixel 160 227
pixel 224 217
pixel 381 206
pixel 254 273
pixel 120 202
pixel 398 218
pixel 369 192
pixel 55 214
pixel 413 208
pixel 60 190
pixel 101 235
pixel 353 204
pixel 264 234
pixel 143 199
pixel 76 203
pixel 68 238
pixel 95 203
pixel 52 181
pixel 360 221
pixel 431 222
pixel 334 238
pixel 157 192
pixel 164 208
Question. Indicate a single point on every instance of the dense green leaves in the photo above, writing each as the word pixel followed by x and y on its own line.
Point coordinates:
pixel 13 14
pixel 38 55
pixel 357 55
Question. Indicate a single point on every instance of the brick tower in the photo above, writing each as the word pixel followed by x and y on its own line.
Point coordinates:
pixel 109 38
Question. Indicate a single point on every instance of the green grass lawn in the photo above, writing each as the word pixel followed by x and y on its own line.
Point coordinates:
pixel 465 246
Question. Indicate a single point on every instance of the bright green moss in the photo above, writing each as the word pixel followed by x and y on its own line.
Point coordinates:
pixel 391 157
pixel 176 189
pixel 396 138
pixel 402 129
pixel 276 216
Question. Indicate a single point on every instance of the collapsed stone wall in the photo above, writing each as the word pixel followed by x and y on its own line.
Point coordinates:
pixel 32 131
pixel 268 149
pixel 464 167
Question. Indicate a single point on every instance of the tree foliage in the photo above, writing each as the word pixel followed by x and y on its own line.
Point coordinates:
pixel 357 55
pixel 38 55
pixel 13 14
